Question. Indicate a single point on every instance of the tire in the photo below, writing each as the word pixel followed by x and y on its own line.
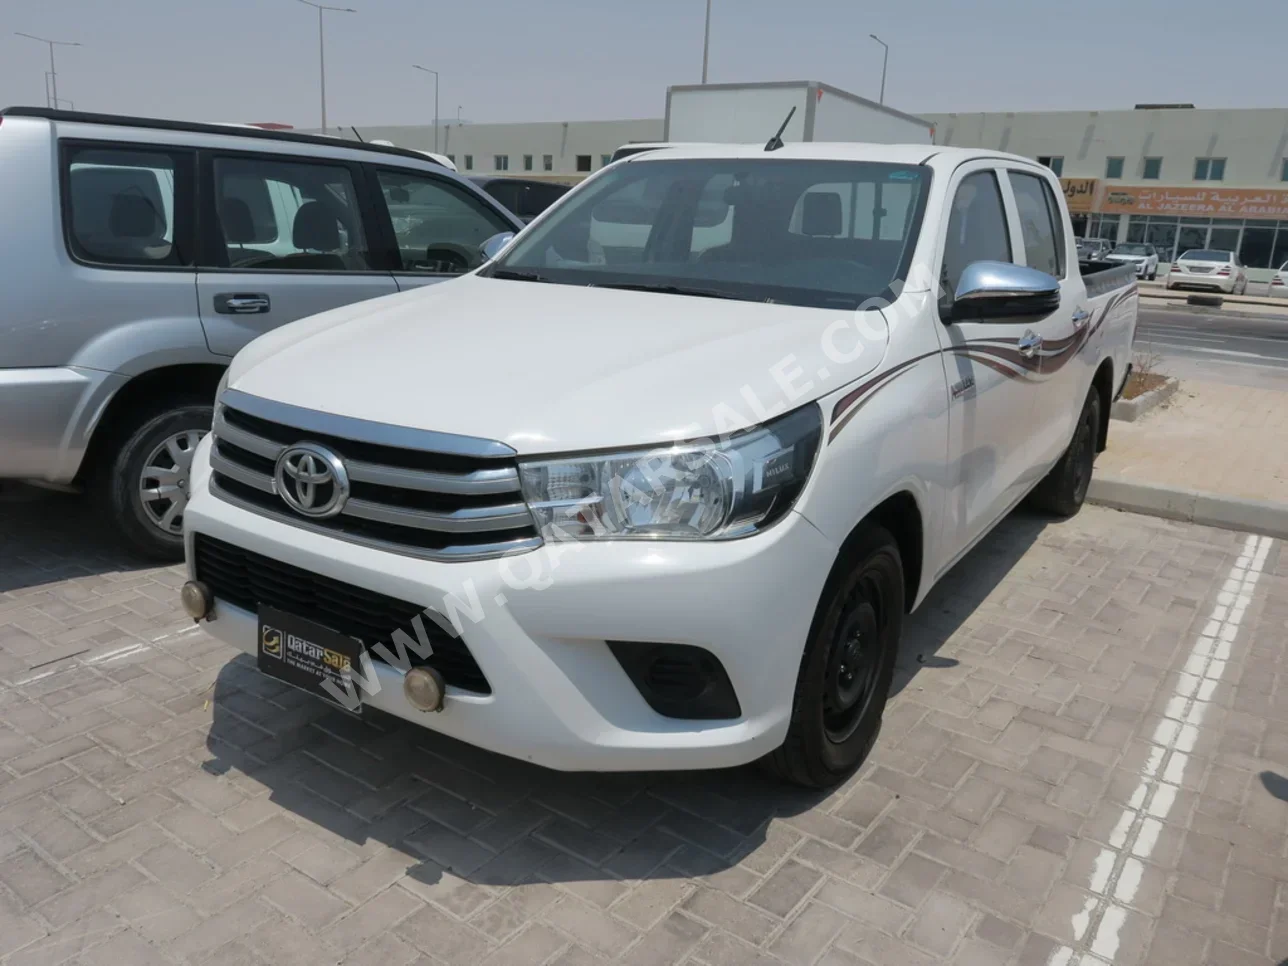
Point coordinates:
pixel 1064 489
pixel 119 487
pixel 861 610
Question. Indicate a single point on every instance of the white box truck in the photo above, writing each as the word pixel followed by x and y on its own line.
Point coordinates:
pixel 749 113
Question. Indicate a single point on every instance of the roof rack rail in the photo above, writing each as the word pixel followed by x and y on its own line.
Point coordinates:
pixel 198 127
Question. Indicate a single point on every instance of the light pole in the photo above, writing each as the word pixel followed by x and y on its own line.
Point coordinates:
pixel 321 9
pixel 885 60
pixel 435 73
pixel 706 43
pixel 53 72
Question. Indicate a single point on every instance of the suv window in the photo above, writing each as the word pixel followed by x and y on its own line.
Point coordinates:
pixel 288 216
pixel 976 228
pixel 121 206
pixel 539 197
pixel 438 225
pixel 1037 223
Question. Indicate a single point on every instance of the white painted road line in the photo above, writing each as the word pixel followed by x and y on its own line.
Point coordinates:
pixel 1119 869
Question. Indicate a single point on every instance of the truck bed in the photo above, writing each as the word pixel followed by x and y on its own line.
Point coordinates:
pixel 1104 277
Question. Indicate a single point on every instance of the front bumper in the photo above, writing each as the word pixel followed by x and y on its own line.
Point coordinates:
pixel 537 626
pixel 1141 267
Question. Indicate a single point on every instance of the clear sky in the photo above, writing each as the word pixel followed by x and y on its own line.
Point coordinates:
pixel 537 60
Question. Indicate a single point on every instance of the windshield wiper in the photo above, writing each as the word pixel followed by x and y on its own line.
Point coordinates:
pixel 666 288
pixel 517 276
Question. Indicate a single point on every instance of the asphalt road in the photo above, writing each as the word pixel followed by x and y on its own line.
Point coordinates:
pixel 1221 345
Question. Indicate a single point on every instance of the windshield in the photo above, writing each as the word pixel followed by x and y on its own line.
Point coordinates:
pixel 1131 250
pixel 812 233
pixel 1205 255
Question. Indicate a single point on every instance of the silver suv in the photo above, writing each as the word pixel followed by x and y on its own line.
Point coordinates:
pixel 140 255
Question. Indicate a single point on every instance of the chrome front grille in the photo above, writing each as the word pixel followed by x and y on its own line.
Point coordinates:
pixel 460 501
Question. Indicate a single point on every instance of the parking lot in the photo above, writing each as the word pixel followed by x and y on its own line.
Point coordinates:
pixel 1086 762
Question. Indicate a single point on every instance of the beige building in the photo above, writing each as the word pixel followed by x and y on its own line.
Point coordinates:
pixel 1175 177
pixel 558 150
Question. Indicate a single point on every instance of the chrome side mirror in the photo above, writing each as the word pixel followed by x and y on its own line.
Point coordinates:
pixel 494 245
pixel 991 290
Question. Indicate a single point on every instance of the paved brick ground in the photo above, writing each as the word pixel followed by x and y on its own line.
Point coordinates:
pixel 1086 762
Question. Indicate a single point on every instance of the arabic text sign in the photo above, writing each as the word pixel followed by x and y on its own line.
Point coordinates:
pixel 1079 193
pixel 1205 202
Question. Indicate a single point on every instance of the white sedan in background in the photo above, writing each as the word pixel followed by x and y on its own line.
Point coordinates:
pixel 1211 269
pixel 1143 257
pixel 1279 284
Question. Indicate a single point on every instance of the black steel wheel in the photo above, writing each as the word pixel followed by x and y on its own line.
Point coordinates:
pixel 847 666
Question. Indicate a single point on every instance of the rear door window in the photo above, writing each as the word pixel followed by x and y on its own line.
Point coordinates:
pixel 278 215
pixel 128 206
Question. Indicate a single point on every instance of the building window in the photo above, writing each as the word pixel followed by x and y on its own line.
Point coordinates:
pixel 1056 164
pixel 469 162
pixel 1103 226
pixel 527 162
pixel 1283 172
pixel 501 162
pixel 583 162
pixel 1113 167
pixel 605 160
pixel 1153 169
pixel 547 162
pixel 1209 169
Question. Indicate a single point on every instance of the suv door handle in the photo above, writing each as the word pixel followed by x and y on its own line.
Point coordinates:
pixel 1080 318
pixel 241 303
pixel 1029 344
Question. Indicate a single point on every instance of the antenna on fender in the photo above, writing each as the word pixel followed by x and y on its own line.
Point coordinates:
pixel 776 141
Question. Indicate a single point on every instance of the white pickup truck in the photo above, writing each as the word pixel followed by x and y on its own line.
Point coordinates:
pixel 663 503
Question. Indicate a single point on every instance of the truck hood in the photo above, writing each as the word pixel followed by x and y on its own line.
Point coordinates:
pixel 554 368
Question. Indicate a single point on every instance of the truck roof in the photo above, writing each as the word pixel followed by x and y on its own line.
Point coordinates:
pixel 830 151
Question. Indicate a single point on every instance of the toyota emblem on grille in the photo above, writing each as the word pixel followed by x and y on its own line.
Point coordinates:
pixel 312 480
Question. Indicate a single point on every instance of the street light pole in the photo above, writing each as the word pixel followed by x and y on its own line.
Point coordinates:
pixel 885 60
pixel 435 73
pixel 53 71
pixel 321 9
pixel 706 44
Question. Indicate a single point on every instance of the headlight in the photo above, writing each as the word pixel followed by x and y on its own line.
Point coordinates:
pixel 687 491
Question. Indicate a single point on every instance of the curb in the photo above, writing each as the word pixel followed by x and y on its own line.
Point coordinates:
pixel 1191 506
pixel 1130 410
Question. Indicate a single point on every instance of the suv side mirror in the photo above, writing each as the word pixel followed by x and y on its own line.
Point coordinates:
pixel 493 246
pixel 993 290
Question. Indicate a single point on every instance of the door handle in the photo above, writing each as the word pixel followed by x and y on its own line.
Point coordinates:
pixel 1080 318
pixel 242 303
pixel 1029 344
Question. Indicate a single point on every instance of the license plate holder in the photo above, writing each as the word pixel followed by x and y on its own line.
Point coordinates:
pixel 307 655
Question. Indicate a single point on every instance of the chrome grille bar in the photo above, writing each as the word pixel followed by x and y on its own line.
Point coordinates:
pixel 508 516
pixel 478 483
pixel 235 471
